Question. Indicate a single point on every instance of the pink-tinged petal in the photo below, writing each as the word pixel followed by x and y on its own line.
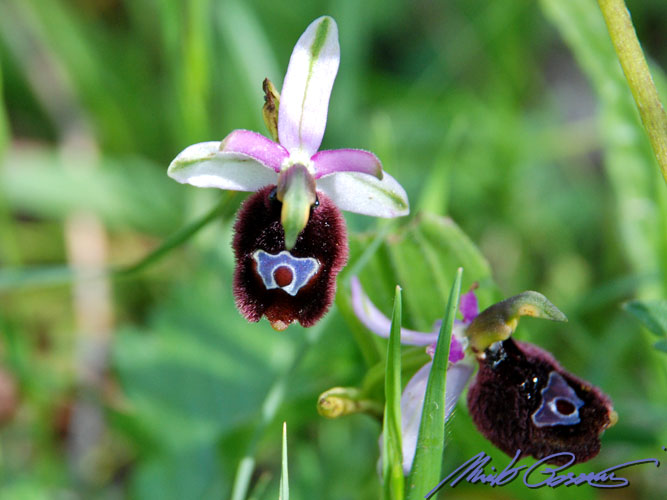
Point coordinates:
pixel 378 323
pixel 304 101
pixel 412 402
pixel 363 194
pixel 204 165
pixel 468 306
pixel 256 146
pixel 346 160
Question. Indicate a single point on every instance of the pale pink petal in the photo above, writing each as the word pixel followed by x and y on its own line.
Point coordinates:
pixel 256 146
pixel 304 100
pixel 346 160
pixel 378 323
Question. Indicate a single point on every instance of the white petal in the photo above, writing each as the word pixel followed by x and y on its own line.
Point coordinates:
pixel 364 194
pixel 204 165
pixel 304 100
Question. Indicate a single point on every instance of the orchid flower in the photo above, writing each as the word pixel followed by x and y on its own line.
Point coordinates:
pixel 521 398
pixel 290 239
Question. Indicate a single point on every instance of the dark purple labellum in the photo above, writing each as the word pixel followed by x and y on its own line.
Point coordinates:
pixel 286 286
pixel 522 399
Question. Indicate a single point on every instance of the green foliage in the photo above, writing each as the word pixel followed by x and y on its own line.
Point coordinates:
pixel 519 169
pixel 427 249
pixel 392 455
pixel 652 314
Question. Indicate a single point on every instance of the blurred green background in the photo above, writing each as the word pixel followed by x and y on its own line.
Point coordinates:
pixel 512 118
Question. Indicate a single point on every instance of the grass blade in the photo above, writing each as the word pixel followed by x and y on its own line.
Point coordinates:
pixel 284 479
pixel 425 473
pixel 176 239
pixel 13 278
pixel 392 455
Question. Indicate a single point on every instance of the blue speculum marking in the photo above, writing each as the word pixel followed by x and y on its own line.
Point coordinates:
pixel 302 269
pixel 560 404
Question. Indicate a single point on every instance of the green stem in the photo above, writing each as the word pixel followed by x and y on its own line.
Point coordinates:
pixel 632 60
pixel 13 278
pixel 176 239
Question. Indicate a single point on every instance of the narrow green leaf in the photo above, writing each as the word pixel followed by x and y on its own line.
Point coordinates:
pixel 4 123
pixel 392 460
pixel 425 473
pixel 661 345
pixel 26 277
pixel 176 239
pixel 13 278
pixel 652 314
pixel 284 479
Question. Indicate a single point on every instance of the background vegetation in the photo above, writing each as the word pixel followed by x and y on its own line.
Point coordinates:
pixel 513 118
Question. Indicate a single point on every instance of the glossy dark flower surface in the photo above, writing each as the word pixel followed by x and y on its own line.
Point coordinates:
pixel 522 399
pixel 259 233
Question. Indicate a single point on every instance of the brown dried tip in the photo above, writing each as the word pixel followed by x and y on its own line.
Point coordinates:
pixel 522 399
pixel 298 285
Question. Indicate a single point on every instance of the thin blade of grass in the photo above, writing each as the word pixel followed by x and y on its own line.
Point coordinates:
pixel 4 121
pixel 425 473
pixel 14 278
pixel 284 479
pixel 392 459
pixel 176 239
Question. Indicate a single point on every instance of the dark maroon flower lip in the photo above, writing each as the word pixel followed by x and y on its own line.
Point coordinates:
pixel 287 286
pixel 523 399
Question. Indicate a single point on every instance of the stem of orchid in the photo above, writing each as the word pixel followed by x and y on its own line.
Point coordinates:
pixel 296 191
pixel 500 320
pixel 631 57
